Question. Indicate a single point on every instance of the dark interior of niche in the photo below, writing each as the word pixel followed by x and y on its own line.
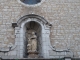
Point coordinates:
pixel 30 2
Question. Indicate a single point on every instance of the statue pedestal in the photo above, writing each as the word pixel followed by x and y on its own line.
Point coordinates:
pixel 33 55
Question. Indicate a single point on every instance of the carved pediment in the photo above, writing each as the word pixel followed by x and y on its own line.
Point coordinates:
pixel 33 17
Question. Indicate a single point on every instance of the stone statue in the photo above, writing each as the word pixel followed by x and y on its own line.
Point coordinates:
pixel 29 45
pixel 32 43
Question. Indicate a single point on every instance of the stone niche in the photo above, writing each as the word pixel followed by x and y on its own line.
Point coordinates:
pixel 33 26
pixel 26 25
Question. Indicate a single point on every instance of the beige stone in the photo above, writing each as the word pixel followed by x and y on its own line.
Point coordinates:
pixel 64 15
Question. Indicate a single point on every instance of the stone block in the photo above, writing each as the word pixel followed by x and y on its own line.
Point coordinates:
pixel 17 28
pixel 17 31
pixel 17 35
pixel 13 53
pixel 60 53
pixel 21 55
pixel 52 53
pixel 21 46
pixel 1 54
pixel 67 58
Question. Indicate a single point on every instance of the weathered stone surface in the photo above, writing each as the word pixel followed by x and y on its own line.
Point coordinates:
pixel 64 15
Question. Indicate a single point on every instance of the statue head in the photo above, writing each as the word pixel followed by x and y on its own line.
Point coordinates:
pixel 33 33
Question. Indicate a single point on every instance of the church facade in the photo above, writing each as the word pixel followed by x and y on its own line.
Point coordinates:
pixel 48 29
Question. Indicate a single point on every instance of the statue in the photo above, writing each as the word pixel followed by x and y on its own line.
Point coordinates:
pixel 32 43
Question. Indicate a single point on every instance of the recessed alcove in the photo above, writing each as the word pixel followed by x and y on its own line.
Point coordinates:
pixel 30 27
pixel 41 27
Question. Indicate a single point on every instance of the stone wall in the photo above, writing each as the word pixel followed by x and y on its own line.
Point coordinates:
pixel 64 16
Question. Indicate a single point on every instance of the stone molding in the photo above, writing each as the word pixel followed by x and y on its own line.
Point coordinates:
pixel 8 48
pixel 59 50
pixel 33 16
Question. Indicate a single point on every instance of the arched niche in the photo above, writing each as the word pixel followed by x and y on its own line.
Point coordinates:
pixel 42 28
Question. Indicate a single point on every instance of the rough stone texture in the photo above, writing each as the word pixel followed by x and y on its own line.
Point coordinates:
pixel 64 15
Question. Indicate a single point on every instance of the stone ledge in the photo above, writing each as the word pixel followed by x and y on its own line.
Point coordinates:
pixel 32 59
pixel 43 59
